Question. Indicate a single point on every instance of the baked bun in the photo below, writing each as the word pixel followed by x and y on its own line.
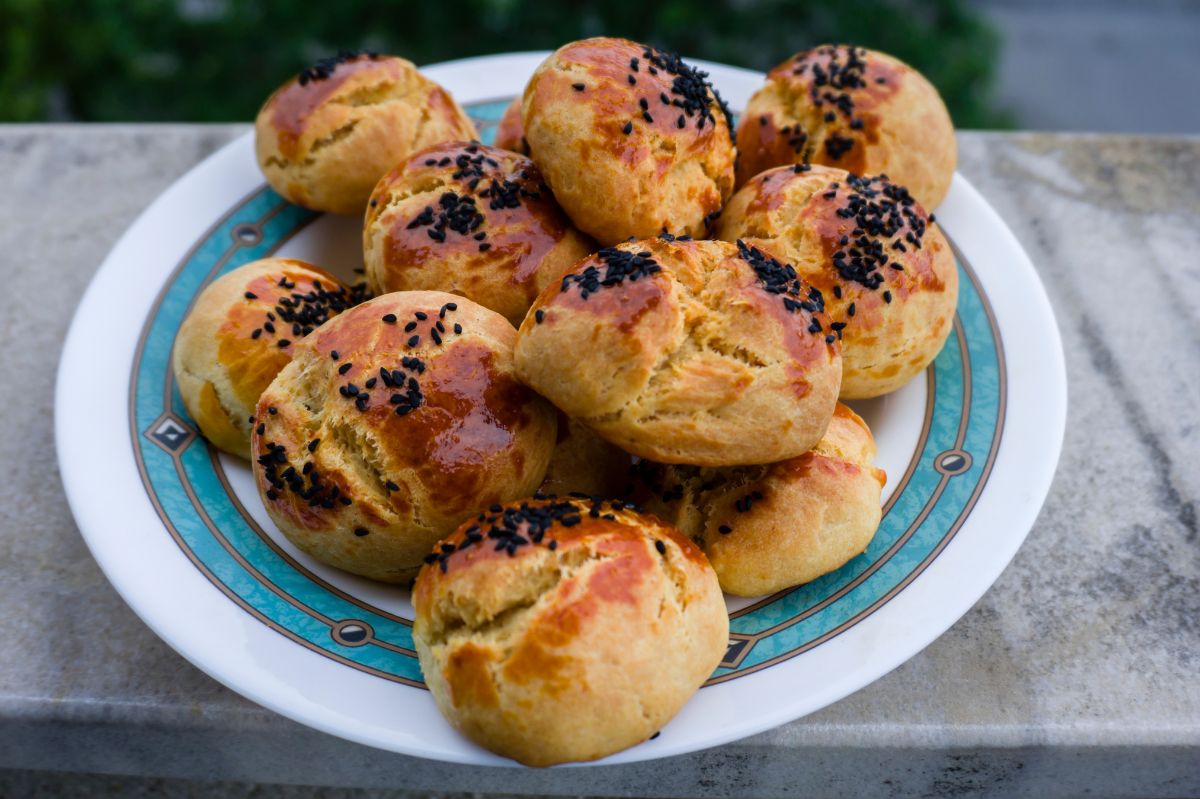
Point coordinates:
pixel 510 132
pixel 767 528
pixel 240 332
pixel 324 138
pixel 584 463
pixel 685 351
pixel 472 220
pixel 565 630
pixel 632 140
pixel 886 271
pixel 860 110
pixel 392 424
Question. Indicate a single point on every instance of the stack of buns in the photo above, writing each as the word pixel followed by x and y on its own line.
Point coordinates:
pixel 596 386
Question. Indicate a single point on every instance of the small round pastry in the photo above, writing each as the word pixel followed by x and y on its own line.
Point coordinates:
pixel 767 528
pixel 685 351
pixel 886 271
pixel 471 220
pixel 632 140
pixel 240 332
pixel 566 630
pixel 510 131
pixel 391 425
pixel 860 110
pixel 584 463
pixel 325 137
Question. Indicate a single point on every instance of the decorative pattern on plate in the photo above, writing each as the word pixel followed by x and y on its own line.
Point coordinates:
pixel 964 420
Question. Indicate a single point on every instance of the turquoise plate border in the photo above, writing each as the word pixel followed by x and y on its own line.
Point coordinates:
pixel 963 424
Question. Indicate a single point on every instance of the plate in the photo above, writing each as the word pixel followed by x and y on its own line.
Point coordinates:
pixel 970 448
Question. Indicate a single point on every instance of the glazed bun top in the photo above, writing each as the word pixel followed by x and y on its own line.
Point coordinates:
pixel 325 137
pixel 633 140
pixel 472 220
pixel 857 109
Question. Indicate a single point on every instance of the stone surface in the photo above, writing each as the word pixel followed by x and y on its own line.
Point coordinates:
pixel 1077 672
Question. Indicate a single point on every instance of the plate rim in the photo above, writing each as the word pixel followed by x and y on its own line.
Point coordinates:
pixel 450 74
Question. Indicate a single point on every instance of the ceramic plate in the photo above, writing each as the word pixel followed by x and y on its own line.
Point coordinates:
pixel 969 447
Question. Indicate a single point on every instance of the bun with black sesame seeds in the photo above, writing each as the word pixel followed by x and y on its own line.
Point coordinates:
pixel 852 108
pixel 685 351
pixel 240 332
pixel 471 220
pixel 392 423
pixel 767 528
pixel 632 139
pixel 510 131
pixel 584 463
pixel 559 630
pixel 884 267
pixel 325 137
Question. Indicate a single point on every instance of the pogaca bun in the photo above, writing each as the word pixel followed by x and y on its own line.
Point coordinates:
pixel 852 108
pixel 584 463
pixel 510 131
pixel 886 272
pixel 632 140
pixel 563 630
pixel 240 332
pixel 391 424
pixel 685 351
pixel 767 528
pixel 471 220
pixel 324 138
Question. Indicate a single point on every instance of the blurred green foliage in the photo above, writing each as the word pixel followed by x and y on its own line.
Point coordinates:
pixel 217 60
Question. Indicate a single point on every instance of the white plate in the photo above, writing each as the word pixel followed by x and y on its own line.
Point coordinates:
pixel 970 448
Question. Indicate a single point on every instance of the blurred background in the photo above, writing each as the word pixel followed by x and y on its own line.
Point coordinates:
pixel 1101 65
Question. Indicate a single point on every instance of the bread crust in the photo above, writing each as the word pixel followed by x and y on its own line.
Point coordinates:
pixel 852 108
pixel 550 655
pixel 898 312
pixel 398 461
pixel 323 142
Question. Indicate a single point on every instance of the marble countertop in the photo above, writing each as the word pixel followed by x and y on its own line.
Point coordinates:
pixel 1078 672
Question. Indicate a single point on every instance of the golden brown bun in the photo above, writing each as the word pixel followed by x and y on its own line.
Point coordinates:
pixel 399 461
pixel 766 528
pixel 228 349
pixel 510 132
pixel 901 316
pixel 584 463
pixel 676 351
pixel 471 220
pixel 324 138
pixel 860 110
pixel 571 642
pixel 620 168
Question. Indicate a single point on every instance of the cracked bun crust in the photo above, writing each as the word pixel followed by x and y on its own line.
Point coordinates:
pixel 566 630
pixel 365 459
pixel 685 351
pixel 471 220
pixel 228 350
pixel 886 271
pixel 324 138
pixel 510 131
pixel 767 528
pixel 860 110
pixel 584 463
pixel 632 140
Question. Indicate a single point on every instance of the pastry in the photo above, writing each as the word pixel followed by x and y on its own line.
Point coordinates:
pixel 393 423
pixel 325 137
pixel 632 140
pixel 563 630
pixel 686 351
pixel 852 108
pixel 584 463
pixel 767 528
pixel 886 272
pixel 240 332
pixel 510 132
pixel 471 220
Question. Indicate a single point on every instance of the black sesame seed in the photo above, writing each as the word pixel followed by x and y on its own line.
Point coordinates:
pixel 391 486
pixel 262 428
pixel 312 445
pixel 485 247
pixel 250 295
pixel 628 128
pixel 257 332
pixel 632 80
pixel 578 87
pixel 457 327
pixel 539 315
pixel 283 342
pixel 410 327
pixel 334 355
pixel 414 341
pixel 389 318
pixel 361 531
pixel 346 367
pixel 661 547
pixel 887 296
